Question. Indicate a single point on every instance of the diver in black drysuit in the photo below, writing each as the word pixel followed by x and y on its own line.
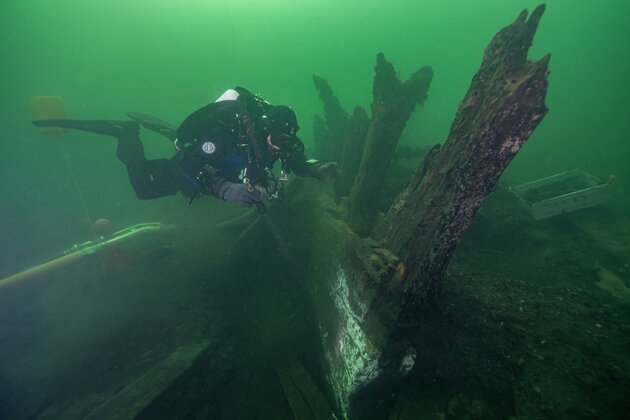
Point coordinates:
pixel 226 149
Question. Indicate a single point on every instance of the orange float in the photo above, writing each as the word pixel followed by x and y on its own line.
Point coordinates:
pixel 49 108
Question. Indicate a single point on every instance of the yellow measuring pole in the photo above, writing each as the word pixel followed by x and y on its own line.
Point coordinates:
pixel 40 270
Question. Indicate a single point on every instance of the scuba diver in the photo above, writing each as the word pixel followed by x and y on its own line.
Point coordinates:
pixel 226 149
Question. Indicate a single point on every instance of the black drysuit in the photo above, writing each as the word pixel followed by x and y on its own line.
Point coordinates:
pixel 221 142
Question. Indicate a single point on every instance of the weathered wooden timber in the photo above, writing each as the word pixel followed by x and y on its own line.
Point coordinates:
pixel 362 285
pixel 356 132
pixel 393 102
pixel 330 136
pixel 503 106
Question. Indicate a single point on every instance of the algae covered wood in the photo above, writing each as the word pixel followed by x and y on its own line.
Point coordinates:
pixel 339 137
pixel 358 286
pixel 330 132
pixel 503 106
pixel 393 102
pixel 356 133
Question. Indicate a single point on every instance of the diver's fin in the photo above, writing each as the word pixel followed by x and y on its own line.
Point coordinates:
pixel 117 129
pixel 154 124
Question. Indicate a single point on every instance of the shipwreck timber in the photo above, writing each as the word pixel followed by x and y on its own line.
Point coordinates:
pixel 365 274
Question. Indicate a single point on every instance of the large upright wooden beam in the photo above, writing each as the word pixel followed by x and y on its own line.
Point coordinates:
pixel 503 106
pixel 356 133
pixel 331 134
pixel 393 103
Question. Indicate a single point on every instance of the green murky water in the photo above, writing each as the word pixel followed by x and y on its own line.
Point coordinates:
pixel 74 339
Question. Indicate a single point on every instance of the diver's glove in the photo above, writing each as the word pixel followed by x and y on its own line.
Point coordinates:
pixel 328 170
pixel 240 194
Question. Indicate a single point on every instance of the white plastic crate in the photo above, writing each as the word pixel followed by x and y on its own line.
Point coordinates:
pixel 562 193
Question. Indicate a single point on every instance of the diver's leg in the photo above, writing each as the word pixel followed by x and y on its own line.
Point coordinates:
pixel 107 127
pixel 154 124
pixel 156 178
pixel 130 150
pixel 149 178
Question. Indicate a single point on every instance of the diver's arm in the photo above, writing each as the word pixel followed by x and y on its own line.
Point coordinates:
pixel 312 168
pixel 302 167
pixel 235 192
pixel 211 183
